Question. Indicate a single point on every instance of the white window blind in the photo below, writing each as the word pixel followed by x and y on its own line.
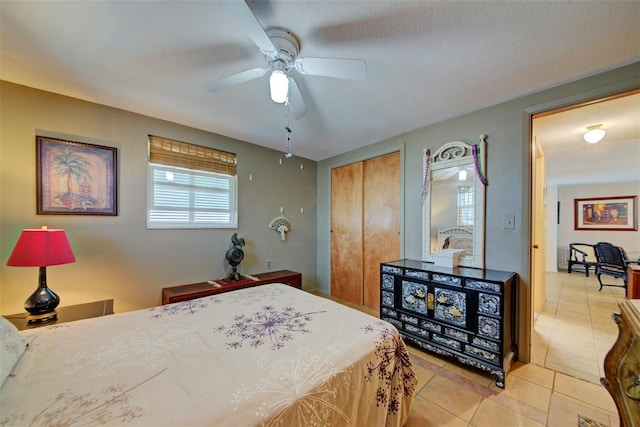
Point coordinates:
pixel 465 207
pixel 183 190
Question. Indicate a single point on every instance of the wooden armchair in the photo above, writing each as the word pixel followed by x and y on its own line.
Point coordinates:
pixel 581 255
pixel 612 261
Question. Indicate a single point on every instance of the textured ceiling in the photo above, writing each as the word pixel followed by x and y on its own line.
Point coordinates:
pixel 570 160
pixel 426 60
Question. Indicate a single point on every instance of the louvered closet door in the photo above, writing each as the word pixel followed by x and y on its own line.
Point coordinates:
pixel 346 233
pixel 381 241
pixel 365 230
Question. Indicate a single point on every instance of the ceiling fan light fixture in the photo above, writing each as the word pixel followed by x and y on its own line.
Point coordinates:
pixel 279 85
pixel 594 134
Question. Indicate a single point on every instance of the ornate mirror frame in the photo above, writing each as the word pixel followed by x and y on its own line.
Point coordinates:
pixel 441 228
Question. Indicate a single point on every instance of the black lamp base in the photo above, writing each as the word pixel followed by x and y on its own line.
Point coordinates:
pixel 42 304
pixel 42 318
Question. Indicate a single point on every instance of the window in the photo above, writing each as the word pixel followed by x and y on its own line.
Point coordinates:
pixel 465 207
pixel 190 186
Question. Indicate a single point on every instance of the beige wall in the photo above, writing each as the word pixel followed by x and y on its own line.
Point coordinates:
pixel 117 257
pixel 508 171
pixel 629 240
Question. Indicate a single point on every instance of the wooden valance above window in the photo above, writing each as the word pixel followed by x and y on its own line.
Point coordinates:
pixel 167 152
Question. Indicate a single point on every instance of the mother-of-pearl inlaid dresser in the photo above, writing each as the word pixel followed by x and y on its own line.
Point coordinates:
pixel 464 313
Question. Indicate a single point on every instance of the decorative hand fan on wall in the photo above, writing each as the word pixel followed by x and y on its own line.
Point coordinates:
pixel 282 225
pixel 280 48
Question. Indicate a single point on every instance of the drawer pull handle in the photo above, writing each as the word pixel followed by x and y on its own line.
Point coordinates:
pixel 633 391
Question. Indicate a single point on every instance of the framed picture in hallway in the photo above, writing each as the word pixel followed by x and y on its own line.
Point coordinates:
pixel 75 178
pixel 606 213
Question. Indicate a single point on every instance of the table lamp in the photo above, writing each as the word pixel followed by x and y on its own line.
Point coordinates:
pixel 41 248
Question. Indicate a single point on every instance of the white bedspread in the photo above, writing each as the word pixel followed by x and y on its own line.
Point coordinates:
pixel 267 355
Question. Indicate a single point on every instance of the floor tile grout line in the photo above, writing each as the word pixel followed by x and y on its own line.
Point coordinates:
pixel 485 392
pixel 594 300
pixel 593 336
pixel 513 404
pixel 418 396
pixel 589 405
pixel 560 285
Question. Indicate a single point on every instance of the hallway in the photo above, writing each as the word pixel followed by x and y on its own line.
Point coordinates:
pixel 575 331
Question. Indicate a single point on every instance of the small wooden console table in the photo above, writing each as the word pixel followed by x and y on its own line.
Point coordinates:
pixel 202 289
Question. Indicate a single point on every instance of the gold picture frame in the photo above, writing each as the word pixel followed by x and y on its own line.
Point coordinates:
pixel 618 213
pixel 75 178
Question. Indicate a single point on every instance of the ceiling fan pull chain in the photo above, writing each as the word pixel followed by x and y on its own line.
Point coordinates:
pixel 288 155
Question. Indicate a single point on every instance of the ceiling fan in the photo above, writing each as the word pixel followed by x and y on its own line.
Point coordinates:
pixel 280 48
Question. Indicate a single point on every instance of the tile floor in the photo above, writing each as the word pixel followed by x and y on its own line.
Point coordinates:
pixel 574 331
pixel 452 395
pixel 571 337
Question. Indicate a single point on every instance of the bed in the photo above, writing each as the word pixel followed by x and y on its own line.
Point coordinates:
pixel 456 238
pixel 267 355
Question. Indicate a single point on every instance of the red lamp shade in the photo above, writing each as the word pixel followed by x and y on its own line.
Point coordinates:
pixel 40 248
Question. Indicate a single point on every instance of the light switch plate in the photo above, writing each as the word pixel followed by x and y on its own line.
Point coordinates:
pixel 509 222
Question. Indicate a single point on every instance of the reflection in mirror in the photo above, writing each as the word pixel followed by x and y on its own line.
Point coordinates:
pixel 454 200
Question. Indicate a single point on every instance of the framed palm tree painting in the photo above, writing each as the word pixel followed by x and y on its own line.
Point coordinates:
pixel 75 178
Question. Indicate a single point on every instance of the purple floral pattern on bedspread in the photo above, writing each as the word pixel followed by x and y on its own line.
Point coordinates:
pixel 185 307
pixel 269 324
pixel 110 406
pixel 194 306
pixel 392 366
pixel 258 294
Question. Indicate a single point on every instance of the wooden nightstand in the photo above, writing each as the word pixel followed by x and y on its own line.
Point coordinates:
pixel 203 289
pixel 65 314
pixel 633 281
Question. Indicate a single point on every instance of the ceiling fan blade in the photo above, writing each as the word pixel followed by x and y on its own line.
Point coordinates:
pixel 247 20
pixel 355 69
pixel 296 103
pixel 236 79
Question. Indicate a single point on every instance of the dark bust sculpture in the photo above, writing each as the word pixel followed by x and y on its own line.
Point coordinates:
pixel 234 256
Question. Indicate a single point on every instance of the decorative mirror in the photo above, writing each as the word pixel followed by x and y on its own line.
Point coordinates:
pixel 453 195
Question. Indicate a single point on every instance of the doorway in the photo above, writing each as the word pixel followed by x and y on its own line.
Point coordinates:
pixel 571 167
